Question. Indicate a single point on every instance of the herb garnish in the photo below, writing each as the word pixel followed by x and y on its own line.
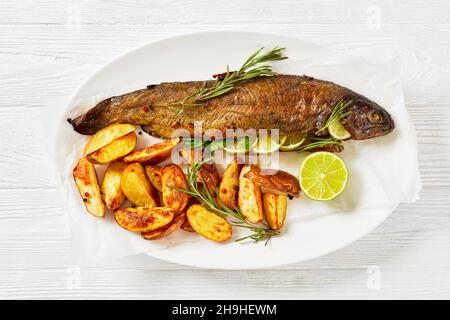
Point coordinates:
pixel 318 143
pixel 212 146
pixel 234 216
pixel 254 67
pixel 337 114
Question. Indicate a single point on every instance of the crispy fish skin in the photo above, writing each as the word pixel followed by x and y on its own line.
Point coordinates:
pixel 292 104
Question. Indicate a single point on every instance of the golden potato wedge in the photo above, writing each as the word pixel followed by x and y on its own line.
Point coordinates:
pixel 275 206
pixel 208 224
pixel 154 176
pixel 117 149
pixel 86 180
pixel 173 179
pixel 275 182
pixel 106 136
pixel 229 186
pixel 249 198
pixel 141 219
pixel 112 194
pixel 137 188
pixel 153 154
pixel 177 221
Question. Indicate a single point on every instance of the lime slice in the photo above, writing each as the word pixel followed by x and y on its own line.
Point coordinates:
pixel 242 145
pixel 337 131
pixel 323 176
pixel 292 142
pixel 266 144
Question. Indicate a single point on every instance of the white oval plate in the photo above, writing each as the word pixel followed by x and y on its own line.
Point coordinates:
pixel 313 229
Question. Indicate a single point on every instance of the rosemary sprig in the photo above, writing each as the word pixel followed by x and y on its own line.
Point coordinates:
pixel 254 66
pixel 234 216
pixel 337 114
pixel 317 143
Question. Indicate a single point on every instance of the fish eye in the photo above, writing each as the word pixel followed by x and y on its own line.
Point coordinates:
pixel 374 117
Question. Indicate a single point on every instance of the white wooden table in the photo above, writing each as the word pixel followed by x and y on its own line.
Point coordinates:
pixel 47 47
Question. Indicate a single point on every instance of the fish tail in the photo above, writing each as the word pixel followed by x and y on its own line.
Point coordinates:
pixel 93 120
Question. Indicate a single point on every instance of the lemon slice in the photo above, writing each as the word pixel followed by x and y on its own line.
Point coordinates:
pixel 292 142
pixel 267 145
pixel 323 176
pixel 242 145
pixel 337 131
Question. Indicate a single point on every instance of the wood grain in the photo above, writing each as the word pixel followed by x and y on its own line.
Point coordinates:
pixel 206 12
pixel 48 47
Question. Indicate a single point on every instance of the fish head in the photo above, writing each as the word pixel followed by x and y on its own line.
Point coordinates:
pixel 367 120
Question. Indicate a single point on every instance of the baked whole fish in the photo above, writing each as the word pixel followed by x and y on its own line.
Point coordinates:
pixel 292 104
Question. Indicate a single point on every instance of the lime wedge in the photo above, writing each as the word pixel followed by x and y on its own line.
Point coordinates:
pixel 337 131
pixel 242 145
pixel 323 176
pixel 266 144
pixel 292 142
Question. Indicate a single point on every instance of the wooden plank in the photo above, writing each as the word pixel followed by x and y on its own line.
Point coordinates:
pixel 206 12
pixel 38 58
pixel 73 283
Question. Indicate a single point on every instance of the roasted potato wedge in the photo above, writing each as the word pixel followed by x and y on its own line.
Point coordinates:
pixel 112 194
pixel 86 180
pixel 141 219
pixel 249 198
pixel 157 234
pixel 275 181
pixel 153 154
pixel 137 188
pixel 106 136
pixel 208 224
pixel 275 206
pixel 229 186
pixel 209 175
pixel 117 149
pixel 172 178
pixel 154 176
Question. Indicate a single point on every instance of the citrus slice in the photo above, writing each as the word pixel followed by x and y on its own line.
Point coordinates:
pixel 337 131
pixel 242 145
pixel 292 142
pixel 266 144
pixel 323 176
